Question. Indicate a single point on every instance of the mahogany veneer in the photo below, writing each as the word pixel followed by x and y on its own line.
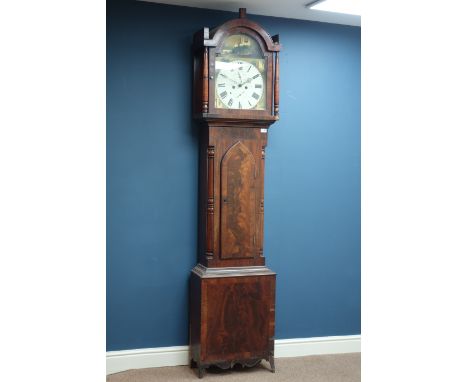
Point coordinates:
pixel 232 297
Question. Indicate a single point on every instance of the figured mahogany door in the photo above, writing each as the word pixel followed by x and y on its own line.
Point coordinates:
pixel 238 203
pixel 238 316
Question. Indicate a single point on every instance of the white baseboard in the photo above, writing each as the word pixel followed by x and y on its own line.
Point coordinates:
pixel 298 347
pixel 121 360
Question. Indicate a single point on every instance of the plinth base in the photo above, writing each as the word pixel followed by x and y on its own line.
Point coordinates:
pixel 232 317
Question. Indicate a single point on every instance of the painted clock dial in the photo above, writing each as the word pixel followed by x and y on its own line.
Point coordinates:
pixel 240 74
pixel 239 85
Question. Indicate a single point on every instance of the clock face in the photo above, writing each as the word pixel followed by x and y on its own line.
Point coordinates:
pixel 240 74
pixel 239 85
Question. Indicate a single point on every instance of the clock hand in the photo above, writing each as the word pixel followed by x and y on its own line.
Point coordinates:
pixel 229 78
pixel 248 80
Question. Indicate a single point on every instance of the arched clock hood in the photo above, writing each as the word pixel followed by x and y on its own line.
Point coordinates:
pixel 207 44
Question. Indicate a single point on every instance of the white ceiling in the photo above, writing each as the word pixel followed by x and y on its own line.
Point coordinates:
pixel 293 9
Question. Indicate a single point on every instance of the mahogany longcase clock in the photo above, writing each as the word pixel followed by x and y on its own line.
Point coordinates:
pixel 235 100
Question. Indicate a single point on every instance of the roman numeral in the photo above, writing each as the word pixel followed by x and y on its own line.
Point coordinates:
pixel 224 85
pixel 255 95
pixel 223 94
pixel 254 77
pixel 258 86
pixel 250 67
pixel 240 106
pixel 230 102
pixel 249 103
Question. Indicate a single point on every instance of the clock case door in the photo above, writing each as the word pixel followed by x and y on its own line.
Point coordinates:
pixel 231 196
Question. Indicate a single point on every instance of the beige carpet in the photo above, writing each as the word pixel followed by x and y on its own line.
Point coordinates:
pixel 320 368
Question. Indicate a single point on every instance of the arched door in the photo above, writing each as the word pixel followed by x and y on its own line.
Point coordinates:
pixel 238 196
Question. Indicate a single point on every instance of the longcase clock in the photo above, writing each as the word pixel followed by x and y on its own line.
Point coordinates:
pixel 235 100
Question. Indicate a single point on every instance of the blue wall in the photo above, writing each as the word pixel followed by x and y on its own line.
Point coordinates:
pixel 312 179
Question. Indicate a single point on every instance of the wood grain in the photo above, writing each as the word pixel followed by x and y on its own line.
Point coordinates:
pixel 231 191
pixel 276 95
pixel 238 195
pixel 205 81
pixel 232 319
pixel 238 316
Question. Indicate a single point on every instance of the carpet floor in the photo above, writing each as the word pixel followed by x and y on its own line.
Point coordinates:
pixel 319 368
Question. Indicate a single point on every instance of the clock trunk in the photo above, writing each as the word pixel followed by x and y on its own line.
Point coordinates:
pixel 231 195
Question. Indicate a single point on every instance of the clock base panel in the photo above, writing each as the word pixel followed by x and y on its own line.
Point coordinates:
pixel 232 318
